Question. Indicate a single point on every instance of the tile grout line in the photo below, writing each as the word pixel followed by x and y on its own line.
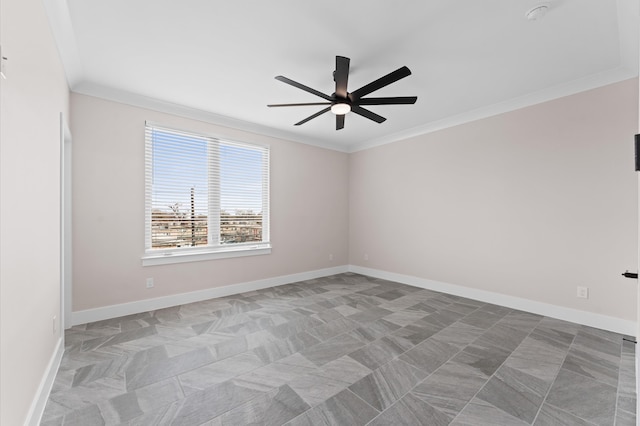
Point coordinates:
pixel 286 383
pixel 434 371
pixel 620 373
pixel 428 374
pixel 451 357
pixel 346 332
pixel 497 368
pixel 358 396
pixel 615 410
pixel 380 412
pixel 555 378
pixel 560 368
pixel 327 291
pixel 262 393
pixel 573 415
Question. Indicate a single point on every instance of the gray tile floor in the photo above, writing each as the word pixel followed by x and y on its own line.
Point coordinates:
pixel 342 350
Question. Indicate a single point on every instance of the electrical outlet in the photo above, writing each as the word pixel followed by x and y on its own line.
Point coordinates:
pixel 55 324
pixel 366 257
pixel 330 256
pixel 583 292
pixel 149 282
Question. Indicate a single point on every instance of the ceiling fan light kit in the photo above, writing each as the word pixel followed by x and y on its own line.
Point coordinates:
pixel 340 108
pixel 342 102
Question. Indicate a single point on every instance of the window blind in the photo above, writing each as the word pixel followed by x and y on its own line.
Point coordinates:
pixel 203 192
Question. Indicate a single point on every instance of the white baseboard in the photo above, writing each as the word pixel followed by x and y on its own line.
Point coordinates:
pixel 115 311
pixel 591 319
pixel 46 384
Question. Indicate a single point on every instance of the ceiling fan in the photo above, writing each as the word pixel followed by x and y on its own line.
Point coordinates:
pixel 341 102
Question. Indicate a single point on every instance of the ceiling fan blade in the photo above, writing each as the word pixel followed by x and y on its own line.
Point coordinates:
pixel 341 76
pixel 398 100
pixel 339 122
pixel 304 104
pixel 311 117
pixel 303 87
pixel 367 114
pixel 392 77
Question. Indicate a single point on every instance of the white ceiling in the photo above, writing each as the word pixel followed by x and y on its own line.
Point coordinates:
pixel 216 60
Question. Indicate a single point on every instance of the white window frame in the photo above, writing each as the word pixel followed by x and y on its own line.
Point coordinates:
pixel 212 250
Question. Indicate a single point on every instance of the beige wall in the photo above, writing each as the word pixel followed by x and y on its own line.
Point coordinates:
pixel 530 203
pixel 309 216
pixel 31 100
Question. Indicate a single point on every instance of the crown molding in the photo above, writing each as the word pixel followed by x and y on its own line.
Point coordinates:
pixel 62 29
pixel 141 101
pixel 577 86
pixel 545 95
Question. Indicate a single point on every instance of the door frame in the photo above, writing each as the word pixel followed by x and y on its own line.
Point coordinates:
pixel 66 271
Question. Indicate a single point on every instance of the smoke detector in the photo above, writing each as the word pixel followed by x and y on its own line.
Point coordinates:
pixel 537 12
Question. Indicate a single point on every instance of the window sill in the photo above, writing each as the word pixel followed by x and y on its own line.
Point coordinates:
pixel 196 256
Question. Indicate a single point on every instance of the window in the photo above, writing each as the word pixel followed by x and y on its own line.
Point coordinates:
pixel 205 197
